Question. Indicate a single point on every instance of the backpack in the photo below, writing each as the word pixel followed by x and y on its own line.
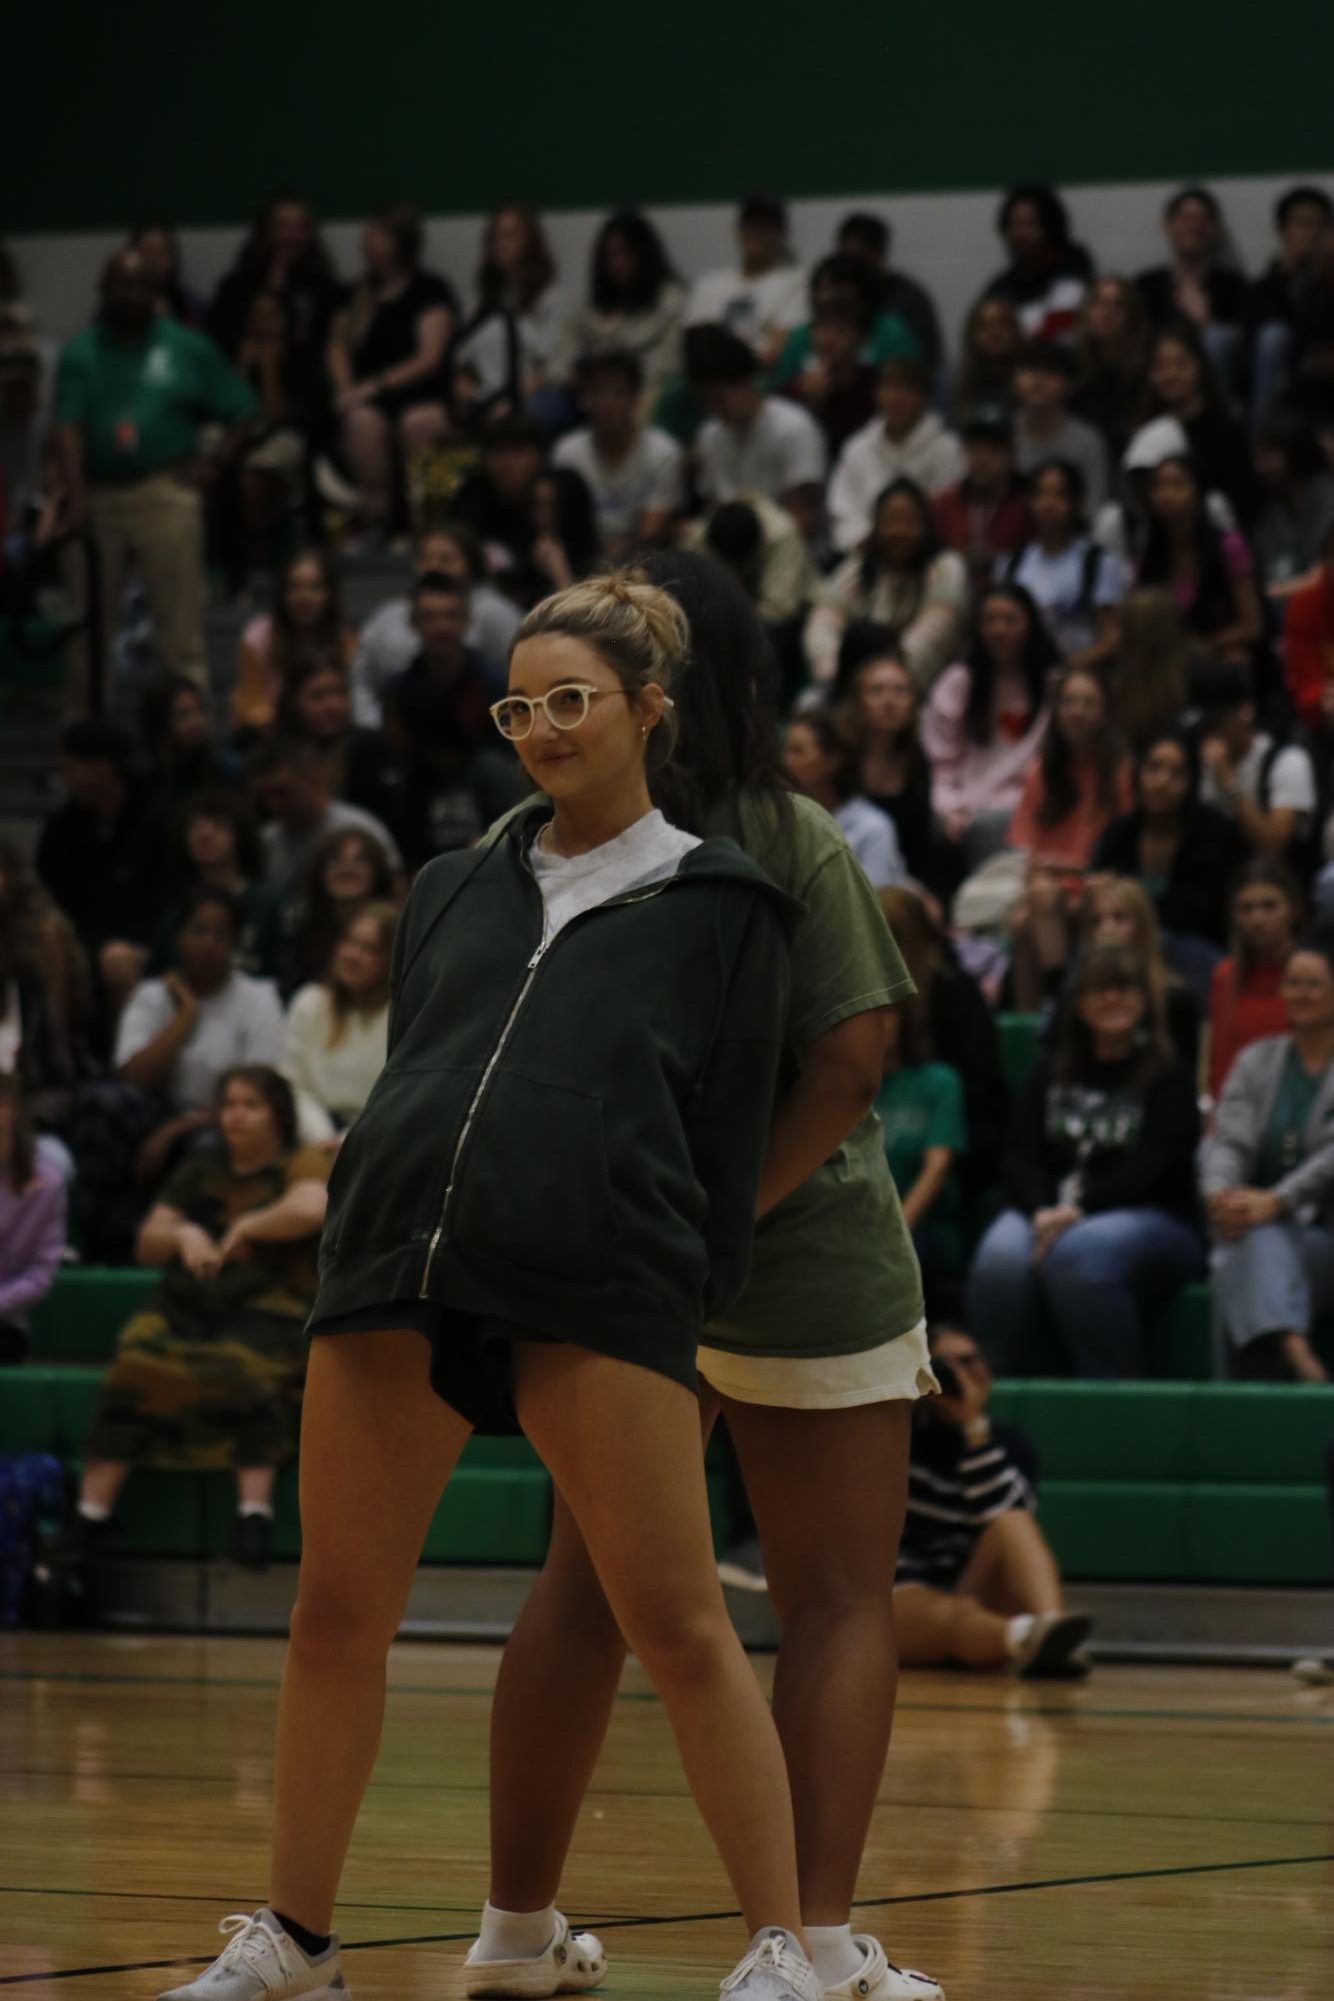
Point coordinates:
pixel 33 1503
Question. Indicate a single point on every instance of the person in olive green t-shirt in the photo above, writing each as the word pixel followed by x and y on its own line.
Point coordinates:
pixel 131 394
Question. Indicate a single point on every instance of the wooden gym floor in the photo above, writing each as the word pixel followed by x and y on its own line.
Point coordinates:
pixel 1159 1833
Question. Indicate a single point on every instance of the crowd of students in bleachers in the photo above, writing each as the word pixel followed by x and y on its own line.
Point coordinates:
pixel 1053 631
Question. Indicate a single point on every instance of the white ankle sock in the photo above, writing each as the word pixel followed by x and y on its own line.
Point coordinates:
pixel 833 1954
pixel 245 1508
pixel 515 1934
pixel 94 1511
pixel 1017 1632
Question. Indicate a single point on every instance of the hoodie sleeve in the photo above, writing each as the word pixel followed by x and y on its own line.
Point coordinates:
pixel 731 1108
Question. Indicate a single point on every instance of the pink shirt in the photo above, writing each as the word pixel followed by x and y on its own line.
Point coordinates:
pixel 969 777
pixel 1070 843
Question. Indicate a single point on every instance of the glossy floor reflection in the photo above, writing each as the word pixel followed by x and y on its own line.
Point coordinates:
pixel 1158 1833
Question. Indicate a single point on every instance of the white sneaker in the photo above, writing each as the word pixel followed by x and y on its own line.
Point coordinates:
pixel 775 1969
pixel 261 1962
pixel 880 1980
pixel 571 1964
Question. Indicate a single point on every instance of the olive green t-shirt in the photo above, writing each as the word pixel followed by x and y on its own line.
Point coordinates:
pixel 833 1270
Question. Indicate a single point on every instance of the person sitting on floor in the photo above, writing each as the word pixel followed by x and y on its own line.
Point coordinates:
pixel 208 1374
pixel 1268 1180
pixel 977 1585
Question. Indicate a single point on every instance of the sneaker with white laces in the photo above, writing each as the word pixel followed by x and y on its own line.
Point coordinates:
pixel 572 1963
pixel 878 1979
pixel 774 1969
pixel 261 1962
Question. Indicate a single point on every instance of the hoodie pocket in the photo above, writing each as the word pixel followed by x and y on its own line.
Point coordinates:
pixel 534 1188
pixel 390 1174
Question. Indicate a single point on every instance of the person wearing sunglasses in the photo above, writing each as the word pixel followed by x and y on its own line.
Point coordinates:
pixel 552 1187
pixel 976 1584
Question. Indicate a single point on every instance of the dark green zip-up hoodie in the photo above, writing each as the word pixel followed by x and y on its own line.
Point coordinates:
pixel 568 1138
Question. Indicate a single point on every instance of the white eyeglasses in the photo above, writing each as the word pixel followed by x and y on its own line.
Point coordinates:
pixel 565 708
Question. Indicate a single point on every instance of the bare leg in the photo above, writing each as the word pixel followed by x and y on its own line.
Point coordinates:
pixel 366 443
pixel 1011 1568
pixel 936 1627
pixel 102 1481
pixel 255 1484
pixel 623 1446
pixel 377 1447
pixel 553 1702
pixel 829 1489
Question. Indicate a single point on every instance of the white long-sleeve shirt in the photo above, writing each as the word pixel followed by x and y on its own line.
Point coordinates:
pixel 930 455
pixel 332 1082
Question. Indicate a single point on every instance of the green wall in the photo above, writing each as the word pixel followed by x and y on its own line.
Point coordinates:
pixel 116 112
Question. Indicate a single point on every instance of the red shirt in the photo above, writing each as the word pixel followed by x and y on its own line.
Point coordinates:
pixel 1308 647
pixel 1240 1016
pixel 1069 844
pixel 982 530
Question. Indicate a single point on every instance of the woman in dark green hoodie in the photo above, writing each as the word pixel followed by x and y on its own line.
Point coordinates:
pixel 551 1188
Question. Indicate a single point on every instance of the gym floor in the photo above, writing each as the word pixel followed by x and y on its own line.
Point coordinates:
pixel 1156 1832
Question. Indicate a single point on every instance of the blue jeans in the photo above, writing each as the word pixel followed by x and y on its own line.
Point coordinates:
pixel 1095 1283
pixel 1270 358
pixel 1274 1280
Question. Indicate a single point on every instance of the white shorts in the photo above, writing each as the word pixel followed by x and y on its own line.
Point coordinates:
pixel 896 1371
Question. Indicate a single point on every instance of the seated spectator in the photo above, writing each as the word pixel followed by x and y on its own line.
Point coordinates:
pixel 1308 644
pixel 634 472
pixel 921 1107
pixel 158 247
pixel 1267 1175
pixel 348 873
pixel 294 802
pixel 1111 355
pixel 1298 508
pixel 337 1027
pixel 984 722
pixel 237 1232
pixel 1080 781
pixel 1123 524
pixel 836 386
pixel 176 730
pixel 902 578
pixel 517 275
pixel 1184 853
pixel 1076 585
pixel 94 853
pixel 1199 285
pixel 752 443
pixel 32 1221
pixel 763 548
pixel 820 762
pixel 47 1022
pixel 1302 215
pixel 283 260
pixel 1102 1222
pixel 389 642
pixel 215 845
pixel 306 623
pixel 986 517
pixel 765 297
pixel 1048 274
pixel 869 241
pixel 1182 384
pixel 962 1028
pixel 443 689
pixel 1044 382
pixel 905 441
pixel 534 547
pixel 984 381
pixel 976 1584
pixel 1210 574
pixel 1151 670
pixel 877 700
pixel 132 392
pixel 386 358
pixel 847 281
pixel 1246 994
pixel 635 305
pixel 359 767
pixel 272 469
pixel 1267 787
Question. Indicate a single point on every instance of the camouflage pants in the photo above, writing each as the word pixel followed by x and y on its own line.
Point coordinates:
pixel 203 1399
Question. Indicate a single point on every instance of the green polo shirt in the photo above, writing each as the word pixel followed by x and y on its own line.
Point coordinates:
pixel 140 404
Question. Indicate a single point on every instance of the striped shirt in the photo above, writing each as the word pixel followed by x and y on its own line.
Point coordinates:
pixel 954 1490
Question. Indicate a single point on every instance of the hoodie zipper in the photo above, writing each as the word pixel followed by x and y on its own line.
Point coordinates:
pixel 498 1050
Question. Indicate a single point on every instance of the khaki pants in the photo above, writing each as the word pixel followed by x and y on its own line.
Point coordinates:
pixel 155 526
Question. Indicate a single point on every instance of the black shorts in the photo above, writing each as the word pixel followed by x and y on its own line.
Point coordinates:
pixel 471 1354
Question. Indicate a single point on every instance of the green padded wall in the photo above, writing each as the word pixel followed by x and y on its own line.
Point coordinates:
pixel 124 112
